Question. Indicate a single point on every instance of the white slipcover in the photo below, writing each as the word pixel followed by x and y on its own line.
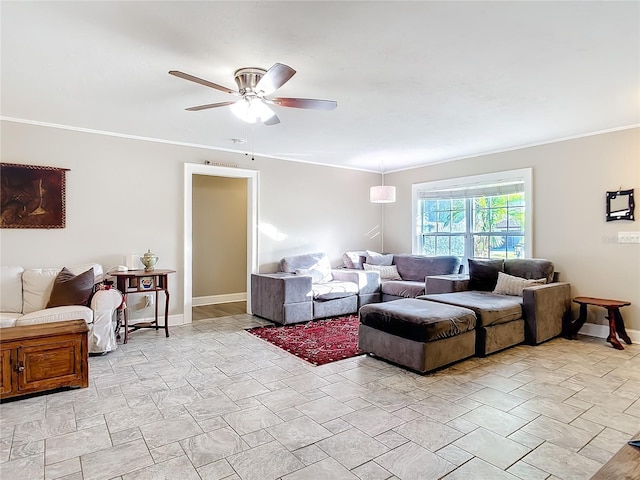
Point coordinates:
pixel 103 304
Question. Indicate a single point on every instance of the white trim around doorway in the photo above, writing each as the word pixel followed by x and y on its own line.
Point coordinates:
pixel 252 177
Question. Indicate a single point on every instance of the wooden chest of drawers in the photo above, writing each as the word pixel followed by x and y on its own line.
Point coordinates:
pixel 34 358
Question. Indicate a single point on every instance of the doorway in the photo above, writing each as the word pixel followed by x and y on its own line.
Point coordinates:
pixel 251 177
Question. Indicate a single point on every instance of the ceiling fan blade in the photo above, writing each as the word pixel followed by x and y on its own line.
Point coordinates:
pixel 276 76
pixel 209 105
pixel 201 81
pixel 274 120
pixel 305 103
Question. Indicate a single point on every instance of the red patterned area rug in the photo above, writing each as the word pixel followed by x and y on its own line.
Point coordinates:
pixel 318 342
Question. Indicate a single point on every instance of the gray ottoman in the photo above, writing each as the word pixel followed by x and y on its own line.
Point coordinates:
pixel 417 334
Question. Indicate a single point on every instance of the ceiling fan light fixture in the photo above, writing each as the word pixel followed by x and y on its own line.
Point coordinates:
pixel 261 110
pixel 241 110
pixel 382 194
pixel 250 110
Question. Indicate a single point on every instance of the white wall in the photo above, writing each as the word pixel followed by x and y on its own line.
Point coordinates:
pixel 126 196
pixel 570 179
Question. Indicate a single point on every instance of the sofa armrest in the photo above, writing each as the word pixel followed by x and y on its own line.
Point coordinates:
pixel 106 300
pixel 446 283
pixel 368 281
pixel 271 293
pixel 102 336
pixel 545 309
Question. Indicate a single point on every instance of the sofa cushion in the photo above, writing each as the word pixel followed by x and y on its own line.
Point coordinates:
pixel 490 309
pixel 416 268
pixel 57 314
pixel 374 258
pixel 333 290
pixel 387 272
pixel 402 288
pixel 354 259
pixel 315 261
pixel 36 288
pixel 483 274
pixel 70 289
pixel 97 270
pixel 336 307
pixel 529 268
pixel 417 320
pixel 366 280
pixel 510 285
pixel 317 276
pixel 11 289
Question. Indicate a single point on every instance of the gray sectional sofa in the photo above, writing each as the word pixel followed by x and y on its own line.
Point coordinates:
pixel 532 309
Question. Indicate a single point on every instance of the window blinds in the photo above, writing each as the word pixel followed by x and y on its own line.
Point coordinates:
pixel 470 191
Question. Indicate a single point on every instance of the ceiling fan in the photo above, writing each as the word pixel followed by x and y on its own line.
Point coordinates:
pixel 254 84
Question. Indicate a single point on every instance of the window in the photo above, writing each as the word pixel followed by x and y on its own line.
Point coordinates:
pixel 484 216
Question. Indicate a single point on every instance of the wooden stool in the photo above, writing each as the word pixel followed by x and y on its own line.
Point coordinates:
pixel 616 323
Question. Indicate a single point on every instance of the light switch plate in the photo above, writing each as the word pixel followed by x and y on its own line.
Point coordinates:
pixel 628 237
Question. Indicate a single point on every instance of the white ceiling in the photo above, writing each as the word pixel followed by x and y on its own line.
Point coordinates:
pixel 415 82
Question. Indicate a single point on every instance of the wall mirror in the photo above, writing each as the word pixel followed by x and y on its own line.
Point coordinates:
pixel 620 205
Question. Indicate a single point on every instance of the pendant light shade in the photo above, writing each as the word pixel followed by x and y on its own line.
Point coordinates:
pixel 382 194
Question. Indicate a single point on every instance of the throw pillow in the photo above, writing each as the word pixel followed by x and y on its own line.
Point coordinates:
pixel 387 272
pixel 70 289
pixel 353 259
pixel 374 258
pixel 510 285
pixel 317 276
pixel 483 274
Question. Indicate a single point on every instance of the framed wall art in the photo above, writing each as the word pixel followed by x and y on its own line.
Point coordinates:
pixel 32 196
pixel 620 205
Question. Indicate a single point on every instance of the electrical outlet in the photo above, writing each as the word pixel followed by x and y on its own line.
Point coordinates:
pixel 628 237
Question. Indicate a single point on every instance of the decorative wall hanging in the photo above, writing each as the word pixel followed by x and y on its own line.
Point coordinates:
pixel 620 205
pixel 32 196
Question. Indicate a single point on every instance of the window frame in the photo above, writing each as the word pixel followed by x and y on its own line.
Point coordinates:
pixel 523 175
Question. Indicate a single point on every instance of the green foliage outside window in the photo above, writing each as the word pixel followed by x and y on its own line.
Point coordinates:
pixel 496 224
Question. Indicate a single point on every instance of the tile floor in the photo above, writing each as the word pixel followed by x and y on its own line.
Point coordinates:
pixel 214 402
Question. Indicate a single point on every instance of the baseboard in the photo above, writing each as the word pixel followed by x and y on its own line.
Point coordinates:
pixel 215 299
pixel 602 331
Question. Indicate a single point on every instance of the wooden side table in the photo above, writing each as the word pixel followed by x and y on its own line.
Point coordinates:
pixel 142 281
pixel 616 323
